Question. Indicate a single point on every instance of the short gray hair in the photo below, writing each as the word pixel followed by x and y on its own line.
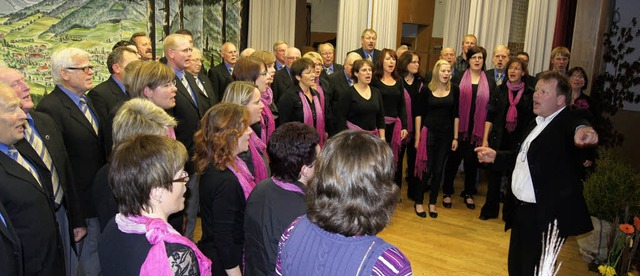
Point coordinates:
pixel 140 116
pixel 62 59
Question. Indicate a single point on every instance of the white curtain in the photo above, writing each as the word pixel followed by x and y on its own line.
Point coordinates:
pixel 352 20
pixel 538 42
pixel 490 21
pixel 270 21
pixel 385 23
pixel 456 24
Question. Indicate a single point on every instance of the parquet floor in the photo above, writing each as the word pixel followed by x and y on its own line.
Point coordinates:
pixel 457 242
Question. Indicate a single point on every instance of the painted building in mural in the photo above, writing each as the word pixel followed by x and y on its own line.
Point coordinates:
pixel 30 30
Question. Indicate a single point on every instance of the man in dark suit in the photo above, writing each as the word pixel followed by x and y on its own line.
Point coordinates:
pixel 368 41
pixel 500 58
pixel 77 120
pixel 25 194
pixel 546 182
pixel 326 50
pixel 528 79
pixel 279 49
pixel 11 263
pixel 341 81
pixel 143 43
pixel 43 135
pixel 283 79
pixel 220 75
pixel 109 95
pixel 202 81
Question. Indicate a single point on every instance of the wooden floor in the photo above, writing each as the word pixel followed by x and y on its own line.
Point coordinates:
pixel 457 242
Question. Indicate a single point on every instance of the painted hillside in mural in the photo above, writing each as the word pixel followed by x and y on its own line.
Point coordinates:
pixel 30 30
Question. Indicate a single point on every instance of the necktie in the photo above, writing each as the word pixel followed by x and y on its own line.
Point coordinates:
pixel 42 151
pixel 85 110
pixel 3 221
pixel 328 70
pixel 499 79
pixel 369 57
pixel 186 85
pixel 230 70
pixel 15 155
pixel 199 84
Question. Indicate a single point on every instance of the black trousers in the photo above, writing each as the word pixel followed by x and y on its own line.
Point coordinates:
pixel 491 207
pixel 438 148
pixel 412 181
pixel 388 135
pixel 464 151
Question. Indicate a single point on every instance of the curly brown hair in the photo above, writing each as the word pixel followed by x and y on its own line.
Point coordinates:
pixel 216 140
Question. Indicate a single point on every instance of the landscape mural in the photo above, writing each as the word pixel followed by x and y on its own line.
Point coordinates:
pixel 30 30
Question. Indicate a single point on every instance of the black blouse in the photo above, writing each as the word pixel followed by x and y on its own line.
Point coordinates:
pixel 367 114
pixel 393 100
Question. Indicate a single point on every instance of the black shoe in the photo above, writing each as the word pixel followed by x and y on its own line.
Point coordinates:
pixel 433 214
pixel 471 206
pixel 446 204
pixel 485 217
pixel 422 214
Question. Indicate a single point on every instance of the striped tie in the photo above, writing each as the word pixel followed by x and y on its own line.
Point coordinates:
pixel 499 79
pixel 85 110
pixel 15 155
pixel 186 85
pixel 37 145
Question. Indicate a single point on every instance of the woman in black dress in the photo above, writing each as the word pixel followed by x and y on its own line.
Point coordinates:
pixel 386 79
pixel 474 125
pixel 513 105
pixel 302 102
pixel 361 107
pixel 437 114
pixel 413 84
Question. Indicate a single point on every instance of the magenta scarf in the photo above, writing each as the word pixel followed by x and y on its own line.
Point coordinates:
pixel 421 154
pixel 171 133
pixel 158 232
pixel 353 126
pixel 287 186
pixel 258 149
pixel 512 112
pixel 480 116
pixel 320 91
pixel 267 122
pixel 396 141
pixel 308 115
pixel 241 171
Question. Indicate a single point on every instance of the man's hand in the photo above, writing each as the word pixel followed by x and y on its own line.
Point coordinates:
pixel 585 136
pixel 485 154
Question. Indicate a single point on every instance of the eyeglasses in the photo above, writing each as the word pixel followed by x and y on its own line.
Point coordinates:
pixel 578 77
pixel 85 69
pixel 318 65
pixel 184 178
pixel 264 73
pixel 477 57
pixel 185 50
pixel 293 58
pixel 169 84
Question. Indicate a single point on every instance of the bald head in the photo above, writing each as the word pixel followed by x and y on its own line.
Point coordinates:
pixel 229 53
pixel 349 60
pixel 500 57
pixel 177 50
pixel 291 54
pixel 448 54
pixel 14 79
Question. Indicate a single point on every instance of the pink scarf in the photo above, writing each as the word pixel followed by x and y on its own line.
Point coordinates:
pixel 374 132
pixel 267 122
pixel 482 98
pixel 257 147
pixel 421 154
pixel 407 102
pixel 243 175
pixel 396 141
pixel 512 112
pixel 158 233
pixel 287 186
pixel 308 115
pixel 171 133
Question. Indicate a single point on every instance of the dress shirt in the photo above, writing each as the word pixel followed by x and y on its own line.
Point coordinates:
pixel 120 84
pixel 522 184
pixel 76 100
pixel 229 68
pixel 3 221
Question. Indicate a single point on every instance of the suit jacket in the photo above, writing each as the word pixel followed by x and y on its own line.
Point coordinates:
pixel 555 169
pixel 220 77
pixel 107 98
pixel 188 114
pixel 211 92
pixel 32 214
pixel 282 82
pixel 491 76
pixel 10 248
pixel 52 139
pixel 84 147
pixel 360 51
pixel 530 81
pixel 339 86
pixel 336 68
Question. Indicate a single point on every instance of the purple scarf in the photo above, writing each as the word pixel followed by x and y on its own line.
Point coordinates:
pixel 243 175
pixel 320 91
pixel 158 233
pixel 287 186
pixel 257 147
pixel 421 154
pixel 480 116
pixel 374 132
pixel 512 112
pixel 396 141
pixel 308 115
pixel 407 102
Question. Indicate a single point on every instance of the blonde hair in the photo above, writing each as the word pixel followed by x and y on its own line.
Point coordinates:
pixel 150 74
pixel 435 79
pixel 140 116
